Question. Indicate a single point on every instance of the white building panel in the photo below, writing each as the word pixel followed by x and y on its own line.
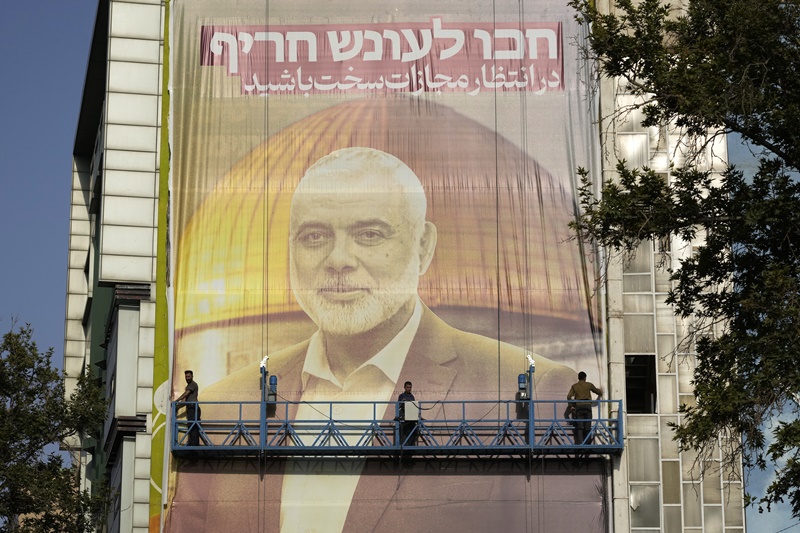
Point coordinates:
pixel 144 399
pixel 126 367
pixel 129 160
pixel 143 446
pixel 125 485
pixel 122 183
pixel 137 21
pixel 76 281
pixel 145 374
pixel 80 197
pixel 74 330
pixel 79 242
pixel 140 78
pixel 126 211
pixel 136 138
pixel 146 348
pixel 80 227
pixel 79 210
pixel 141 466
pixel 77 259
pixel 126 268
pixel 147 314
pixel 141 513
pixel 75 305
pixel 137 50
pixel 136 109
pixel 127 240
pixel 73 366
pixel 141 491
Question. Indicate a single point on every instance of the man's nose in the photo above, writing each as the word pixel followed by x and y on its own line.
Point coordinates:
pixel 342 255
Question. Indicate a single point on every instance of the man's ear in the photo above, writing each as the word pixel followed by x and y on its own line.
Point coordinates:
pixel 427 245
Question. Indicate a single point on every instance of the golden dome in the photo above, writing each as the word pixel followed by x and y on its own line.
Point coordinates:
pixel 501 218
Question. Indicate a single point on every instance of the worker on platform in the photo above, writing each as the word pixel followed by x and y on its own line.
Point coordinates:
pixel 582 408
pixel 192 409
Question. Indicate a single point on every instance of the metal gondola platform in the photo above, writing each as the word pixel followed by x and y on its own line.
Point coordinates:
pixel 445 428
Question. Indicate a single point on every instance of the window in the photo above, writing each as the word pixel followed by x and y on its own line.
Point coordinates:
pixel 640 384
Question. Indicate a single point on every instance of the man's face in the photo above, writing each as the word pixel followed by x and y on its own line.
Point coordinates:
pixel 408 388
pixel 188 376
pixel 355 257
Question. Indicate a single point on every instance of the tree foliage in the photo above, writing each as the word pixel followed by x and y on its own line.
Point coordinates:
pixel 38 492
pixel 723 67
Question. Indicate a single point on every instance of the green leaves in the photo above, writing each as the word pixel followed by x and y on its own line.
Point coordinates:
pixel 38 493
pixel 730 67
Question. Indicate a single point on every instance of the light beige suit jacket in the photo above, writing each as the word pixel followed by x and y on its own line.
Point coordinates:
pixel 456 493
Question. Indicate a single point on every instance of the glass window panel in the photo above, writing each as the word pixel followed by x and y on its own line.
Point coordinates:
pixel 639 334
pixel 672 520
pixel 671 482
pixel 732 494
pixel 636 283
pixel 691 505
pixel 665 350
pixel 712 492
pixel 678 148
pixel 682 328
pixel 645 510
pixel 662 280
pixel 640 262
pixel 630 118
pixel 643 425
pixel 688 399
pixel 686 365
pixel 637 303
pixel 658 138
pixel 718 153
pixel 689 468
pixel 665 318
pixel 669 446
pixel 659 161
pixel 643 463
pixel 667 401
pixel 713 518
pixel 633 149
pixel 732 471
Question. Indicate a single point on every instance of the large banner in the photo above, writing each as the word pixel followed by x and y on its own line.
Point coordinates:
pixel 369 193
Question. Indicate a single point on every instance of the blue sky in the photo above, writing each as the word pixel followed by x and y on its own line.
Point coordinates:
pixel 46 48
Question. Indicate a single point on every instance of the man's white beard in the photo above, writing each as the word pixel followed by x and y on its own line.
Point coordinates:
pixel 360 315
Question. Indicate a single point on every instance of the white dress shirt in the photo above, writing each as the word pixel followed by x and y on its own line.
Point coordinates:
pixel 319 501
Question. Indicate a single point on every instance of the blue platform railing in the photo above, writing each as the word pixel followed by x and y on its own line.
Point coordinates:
pixel 451 427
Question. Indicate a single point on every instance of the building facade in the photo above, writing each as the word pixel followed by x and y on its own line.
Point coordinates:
pixel 193 135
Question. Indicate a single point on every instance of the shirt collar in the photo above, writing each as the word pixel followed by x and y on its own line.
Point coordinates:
pixel 389 360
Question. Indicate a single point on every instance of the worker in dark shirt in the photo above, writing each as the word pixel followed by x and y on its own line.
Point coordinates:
pixel 582 408
pixel 192 409
pixel 408 436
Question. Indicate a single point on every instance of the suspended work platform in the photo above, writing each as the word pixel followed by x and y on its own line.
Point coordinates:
pixel 443 428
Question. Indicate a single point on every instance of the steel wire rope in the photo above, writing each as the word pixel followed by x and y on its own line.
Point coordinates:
pixel 526 301
pixel 262 518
